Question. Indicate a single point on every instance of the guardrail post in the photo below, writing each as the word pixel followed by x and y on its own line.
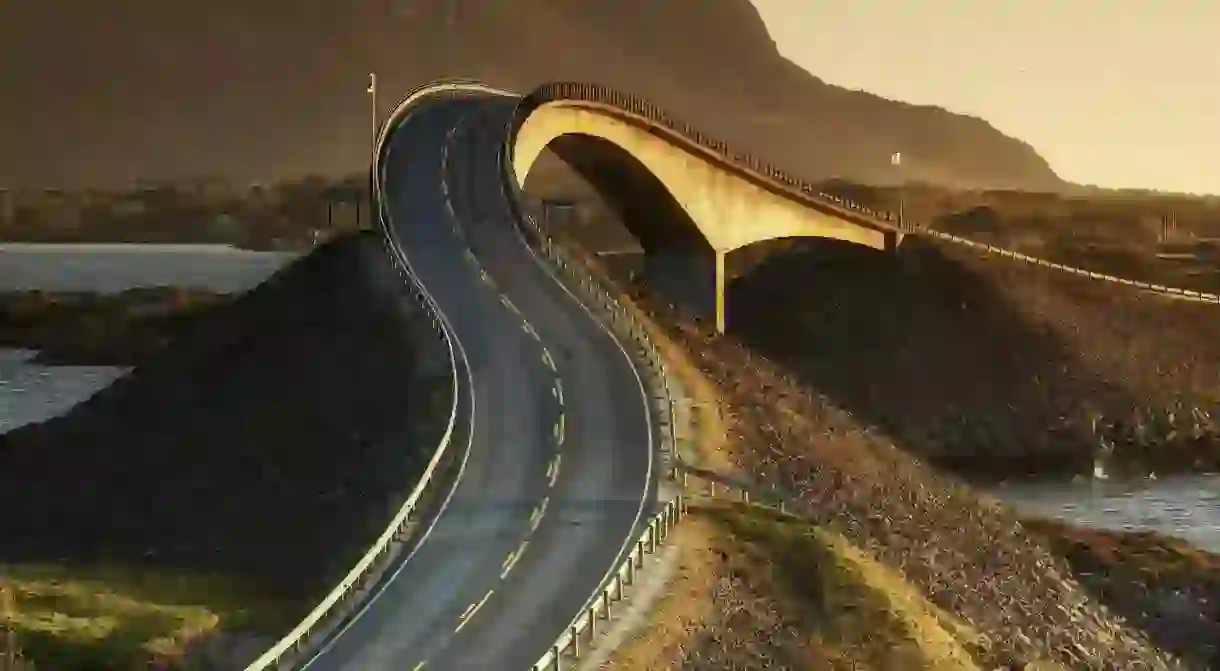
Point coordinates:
pixel 575 641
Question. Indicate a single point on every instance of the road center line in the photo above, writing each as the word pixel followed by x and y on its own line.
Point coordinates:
pixel 513 557
pixel 538 514
pixel 546 358
pixel 553 469
pixel 559 390
pixel 474 608
pixel 466 613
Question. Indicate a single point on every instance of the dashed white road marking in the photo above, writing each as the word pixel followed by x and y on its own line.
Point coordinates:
pixel 559 430
pixel 553 470
pixel 558 390
pixel 474 608
pixel 418 666
pixel 546 358
pixel 466 613
pixel 538 514
pixel 513 557
pixel 529 328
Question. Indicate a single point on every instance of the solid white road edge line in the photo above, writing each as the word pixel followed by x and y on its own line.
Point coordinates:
pixel 639 383
pixel 449 497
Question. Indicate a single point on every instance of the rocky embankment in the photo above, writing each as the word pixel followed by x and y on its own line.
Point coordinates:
pixel 988 367
pixel 1166 587
pixel 968 556
pixel 267 447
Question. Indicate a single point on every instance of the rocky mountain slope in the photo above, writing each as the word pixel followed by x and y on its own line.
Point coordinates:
pixel 255 91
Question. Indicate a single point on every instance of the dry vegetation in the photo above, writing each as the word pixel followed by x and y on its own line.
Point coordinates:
pixel 82 619
pixel 1118 233
pixel 960 357
pixel 161 511
pixel 755 590
pixel 847 373
pixel 968 557
pixel 1165 586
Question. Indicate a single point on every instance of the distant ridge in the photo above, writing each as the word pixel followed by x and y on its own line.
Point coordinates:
pixel 256 91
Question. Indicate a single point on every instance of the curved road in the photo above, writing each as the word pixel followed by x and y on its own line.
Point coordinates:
pixel 560 472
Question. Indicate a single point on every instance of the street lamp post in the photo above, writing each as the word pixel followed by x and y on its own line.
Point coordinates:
pixel 896 161
pixel 372 91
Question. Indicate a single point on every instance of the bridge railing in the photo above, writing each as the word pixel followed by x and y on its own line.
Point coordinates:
pixel 1033 260
pixel 773 177
pixel 647 360
pixel 321 621
pixel 752 166
pixel 696 484
pixel 634 336
pixel 346 597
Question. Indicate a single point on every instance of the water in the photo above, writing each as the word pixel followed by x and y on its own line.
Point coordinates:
pixel 1186 506
pixel 111 268
pixel 35 393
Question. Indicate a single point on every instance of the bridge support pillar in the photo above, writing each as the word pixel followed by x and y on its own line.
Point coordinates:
pixel 893 239
pixel 719 291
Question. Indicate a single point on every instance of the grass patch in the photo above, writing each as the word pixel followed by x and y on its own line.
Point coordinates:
pixel 862 612
pixel 110 618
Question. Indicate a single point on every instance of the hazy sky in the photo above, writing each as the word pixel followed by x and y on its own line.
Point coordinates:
pixel 1119 94
pixel 92 91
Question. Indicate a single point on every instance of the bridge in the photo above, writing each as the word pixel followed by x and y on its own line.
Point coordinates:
pixel 631 150
pixel 558 468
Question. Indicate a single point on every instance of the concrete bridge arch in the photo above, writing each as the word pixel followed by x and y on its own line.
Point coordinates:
pixel 728 210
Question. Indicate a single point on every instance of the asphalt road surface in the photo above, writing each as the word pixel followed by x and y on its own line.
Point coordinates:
pixel 560 474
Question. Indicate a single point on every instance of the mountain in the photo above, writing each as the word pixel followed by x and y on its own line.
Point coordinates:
pixel 130 89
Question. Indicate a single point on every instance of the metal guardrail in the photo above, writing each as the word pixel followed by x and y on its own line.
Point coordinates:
pixel 313 628
pixel 648 362
pixel 644 352
pixel 584 628
pixel 743 163
pixel 1033 260
pixel 776 178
